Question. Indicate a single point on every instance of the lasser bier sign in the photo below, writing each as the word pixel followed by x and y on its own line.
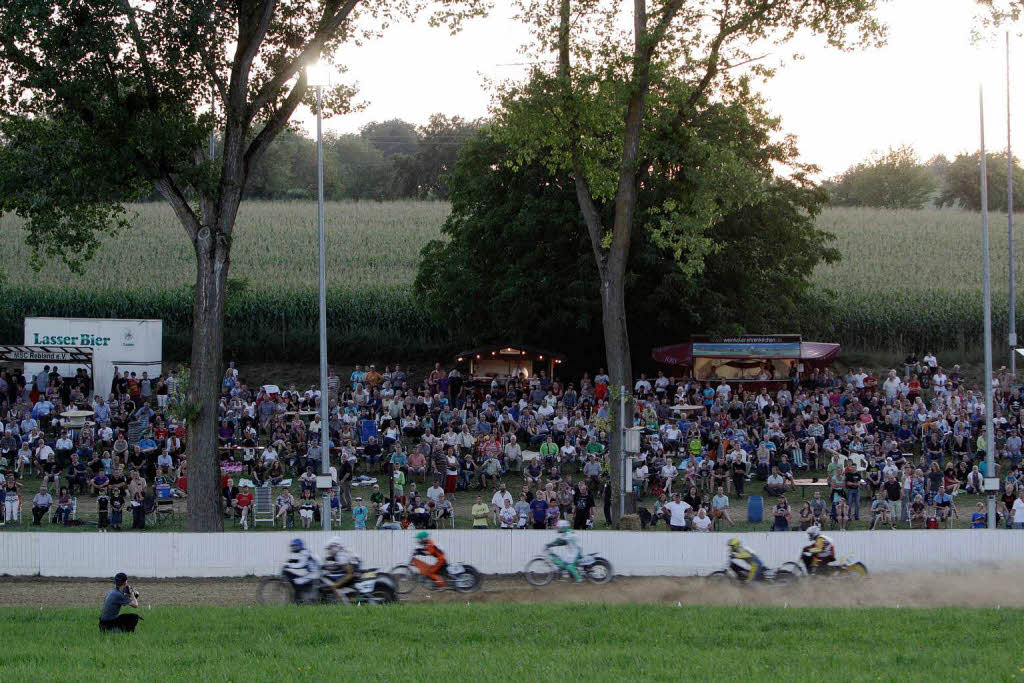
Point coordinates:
pixel 135 345
pixel 84 339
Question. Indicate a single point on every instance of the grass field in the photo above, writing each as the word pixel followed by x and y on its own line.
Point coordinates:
pixel 534 642
pixel 908 279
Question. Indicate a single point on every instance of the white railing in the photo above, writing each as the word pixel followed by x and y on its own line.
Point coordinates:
pixel 494 552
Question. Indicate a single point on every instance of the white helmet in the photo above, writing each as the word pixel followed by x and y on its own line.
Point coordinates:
pixel 813 532
pixel 334 545
pixel 563 525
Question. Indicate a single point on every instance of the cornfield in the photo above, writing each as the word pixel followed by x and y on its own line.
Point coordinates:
pixel 369 245
pixel 912 280
pixel 908 280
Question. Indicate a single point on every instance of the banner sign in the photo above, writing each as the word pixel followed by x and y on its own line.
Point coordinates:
pixel 45 354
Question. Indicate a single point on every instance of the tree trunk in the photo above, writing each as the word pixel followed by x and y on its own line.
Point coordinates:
pixel 205 509
pixel 620 371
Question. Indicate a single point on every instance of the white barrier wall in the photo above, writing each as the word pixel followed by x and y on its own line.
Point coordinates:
pixel 158 555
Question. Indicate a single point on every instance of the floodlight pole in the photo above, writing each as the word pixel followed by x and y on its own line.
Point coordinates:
pixel 1009 222
pixel 325 429
pixel 989 438
pixel 622 451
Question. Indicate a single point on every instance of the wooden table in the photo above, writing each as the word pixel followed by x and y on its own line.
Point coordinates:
pixel 76 418
pixel 804 483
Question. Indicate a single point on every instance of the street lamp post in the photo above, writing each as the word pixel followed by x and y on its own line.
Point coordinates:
pixel 317 76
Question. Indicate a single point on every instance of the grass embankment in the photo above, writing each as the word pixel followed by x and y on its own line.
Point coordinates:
pixel 464 500
pixel 517 642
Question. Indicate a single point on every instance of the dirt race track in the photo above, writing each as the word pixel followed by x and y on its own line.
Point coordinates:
pixel 975 589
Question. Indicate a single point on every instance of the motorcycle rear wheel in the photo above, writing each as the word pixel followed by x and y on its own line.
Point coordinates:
pixel 382 595
pixel 854 571
pixel 405 578
pixel 467 581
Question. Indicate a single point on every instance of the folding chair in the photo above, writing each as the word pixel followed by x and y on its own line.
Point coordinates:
pixel 164 503
pixel 367 428
pixel 262 506
pixel 74 510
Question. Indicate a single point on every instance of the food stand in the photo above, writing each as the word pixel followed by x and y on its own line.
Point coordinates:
pixel 488 363
pixel 758 360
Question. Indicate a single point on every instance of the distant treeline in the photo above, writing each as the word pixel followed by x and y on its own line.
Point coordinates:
pixel 898 179
pixel 386 160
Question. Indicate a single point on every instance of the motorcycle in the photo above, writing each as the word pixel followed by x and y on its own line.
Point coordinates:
pixel 460 577
pixel 844 568
pixel 370 588
pixel 542 569
pixel 788 573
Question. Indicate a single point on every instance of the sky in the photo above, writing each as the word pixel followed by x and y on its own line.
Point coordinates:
pixel 920 89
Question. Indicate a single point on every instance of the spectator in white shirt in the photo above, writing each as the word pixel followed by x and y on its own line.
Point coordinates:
pixel 723 390
pixel 677 509
pixel 435 492
pixel 499 498
pixel 701 521
pixel 891 385
pixel 513 455
pixel 668 473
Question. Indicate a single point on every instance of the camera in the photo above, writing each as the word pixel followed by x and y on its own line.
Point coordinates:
pixel 130 592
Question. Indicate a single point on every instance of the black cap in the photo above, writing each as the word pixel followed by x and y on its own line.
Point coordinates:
pixel 120 579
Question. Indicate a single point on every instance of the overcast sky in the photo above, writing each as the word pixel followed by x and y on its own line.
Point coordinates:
pixel 920 89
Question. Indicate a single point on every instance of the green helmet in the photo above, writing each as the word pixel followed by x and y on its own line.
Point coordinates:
pixel 422 536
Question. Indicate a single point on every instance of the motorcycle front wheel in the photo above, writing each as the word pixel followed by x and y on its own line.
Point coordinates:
pixel 600 571
pixel 539 571
pixel 719 577
pixel 276 590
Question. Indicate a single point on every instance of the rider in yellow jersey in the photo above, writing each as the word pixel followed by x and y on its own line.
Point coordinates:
pixel 747 565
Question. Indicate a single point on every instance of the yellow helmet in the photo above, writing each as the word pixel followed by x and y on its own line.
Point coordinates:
pixel 734 543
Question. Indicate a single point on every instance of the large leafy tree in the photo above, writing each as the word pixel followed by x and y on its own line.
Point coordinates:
pixel 104 98
pixel 515 260
pixel 893 180
pixel 599 138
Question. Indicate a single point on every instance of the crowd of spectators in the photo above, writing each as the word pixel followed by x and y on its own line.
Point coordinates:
pixel 896 448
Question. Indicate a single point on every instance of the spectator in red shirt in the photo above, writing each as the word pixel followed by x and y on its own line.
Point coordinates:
pixel 243 503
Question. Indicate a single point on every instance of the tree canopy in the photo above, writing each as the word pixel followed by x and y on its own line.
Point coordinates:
pixel 515 261
pixel 102 99
pixel 355 168
pixel 962 185
pixel 893 180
